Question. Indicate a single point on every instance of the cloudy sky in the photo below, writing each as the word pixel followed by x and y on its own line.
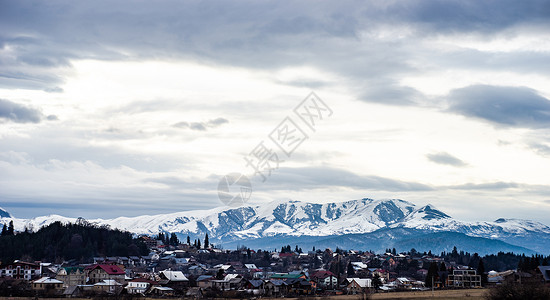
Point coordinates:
pixel 130 108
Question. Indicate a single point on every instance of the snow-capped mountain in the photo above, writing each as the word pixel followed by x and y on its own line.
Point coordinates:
pixel 291 221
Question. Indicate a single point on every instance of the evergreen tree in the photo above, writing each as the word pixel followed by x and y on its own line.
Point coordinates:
pixel 10 231
pixel 432 274
pixel 481 271
pixel 4 230
pixel 188 241
pixel 220 274
pixel 351 270
pixel 174 239
pixel 206 241
pixel 199 244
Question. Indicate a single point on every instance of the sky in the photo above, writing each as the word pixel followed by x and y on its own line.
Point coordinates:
pixel 126 108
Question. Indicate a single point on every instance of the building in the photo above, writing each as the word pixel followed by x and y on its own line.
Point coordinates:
pixel 464 279
pixel 21 270
pixel 99 272
pixel 545 272
pixel 48 285
pixel 173 279
pixel 140 285
pixel 325 279
pixel 71 276
pixel 109 286
pixel 358 285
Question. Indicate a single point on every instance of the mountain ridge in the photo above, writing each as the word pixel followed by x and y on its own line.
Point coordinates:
pixel 297 219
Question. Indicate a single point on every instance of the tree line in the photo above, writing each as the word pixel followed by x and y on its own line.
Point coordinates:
pixel 80 241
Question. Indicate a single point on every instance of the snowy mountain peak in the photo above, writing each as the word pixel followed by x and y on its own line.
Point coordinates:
pixel 429 212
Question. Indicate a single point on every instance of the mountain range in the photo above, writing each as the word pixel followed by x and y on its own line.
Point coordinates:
pixel 364 224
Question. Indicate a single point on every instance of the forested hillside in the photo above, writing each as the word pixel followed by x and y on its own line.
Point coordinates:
pixel 57 241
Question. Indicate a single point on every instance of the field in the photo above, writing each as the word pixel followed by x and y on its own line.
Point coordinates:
pixel 445 294
pixel 473 294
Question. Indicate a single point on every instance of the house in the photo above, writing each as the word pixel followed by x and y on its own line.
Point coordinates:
pixel 99 272
pixel 109 286
pixel 140 285
pixel 173 279
pixel 203 281
pixel 286 276
pixel 464 279
pixel 226 268
pixel 21 270
pixel 48 270
pixel 545 272
pixel 255 287
pixel 197 270
pixel 48 285
pixel 74 291
pixel 275 287
pixel 162 291
pixel 358 285
pixel 325 279
pixel 229 282
pixel 71 276
pixel 299 286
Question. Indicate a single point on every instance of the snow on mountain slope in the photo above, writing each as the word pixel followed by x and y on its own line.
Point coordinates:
pixel 4 213
pixel 295 218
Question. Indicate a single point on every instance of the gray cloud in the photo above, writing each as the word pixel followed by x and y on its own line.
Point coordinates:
pixel 19 113
pixel 317 177
pixel 201 126
pixel 245 33
pixel 485 16
pixel 445 158
pixel 506 106
pixel 541 149
pixel 499 185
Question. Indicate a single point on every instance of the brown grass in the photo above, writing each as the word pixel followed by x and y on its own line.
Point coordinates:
pixel 476 294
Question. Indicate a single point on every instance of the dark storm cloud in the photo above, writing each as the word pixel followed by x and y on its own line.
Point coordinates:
pixel 18 113
pixel 505 106
pixel 201 126
pixel 445 158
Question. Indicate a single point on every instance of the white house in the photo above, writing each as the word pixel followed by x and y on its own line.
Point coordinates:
pixel 358 285
pixel 139 285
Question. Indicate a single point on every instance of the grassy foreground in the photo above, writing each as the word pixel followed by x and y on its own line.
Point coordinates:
pixel 473 294
pixel 443 294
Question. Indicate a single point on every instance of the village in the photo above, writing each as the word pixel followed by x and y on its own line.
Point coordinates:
pixel 185 270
